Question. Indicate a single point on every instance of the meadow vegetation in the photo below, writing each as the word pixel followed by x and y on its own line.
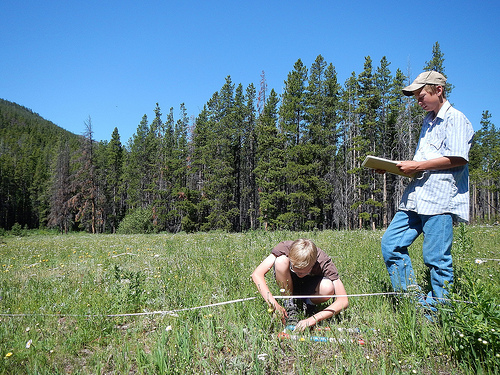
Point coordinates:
pixel 152 304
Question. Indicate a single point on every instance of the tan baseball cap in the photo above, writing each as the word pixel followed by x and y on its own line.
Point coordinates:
pixel 425 78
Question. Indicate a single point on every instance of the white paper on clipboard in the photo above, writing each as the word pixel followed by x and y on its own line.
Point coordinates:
pixel 375 162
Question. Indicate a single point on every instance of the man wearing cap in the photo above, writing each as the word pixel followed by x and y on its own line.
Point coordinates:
pixel 437 196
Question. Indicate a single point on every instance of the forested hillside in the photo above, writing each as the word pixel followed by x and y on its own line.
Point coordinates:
pixel 251 159
pixel 29 145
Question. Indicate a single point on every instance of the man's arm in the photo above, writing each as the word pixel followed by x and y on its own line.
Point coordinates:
pixel 444 162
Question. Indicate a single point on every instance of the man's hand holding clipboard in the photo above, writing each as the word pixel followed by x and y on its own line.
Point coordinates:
pixel 381 164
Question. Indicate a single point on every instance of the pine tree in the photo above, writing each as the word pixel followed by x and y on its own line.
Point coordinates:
pixel 185 193
pixel 216 149
pixel 223 162
pixel 349 157
pixel 261 101
pixel 392 106
pixel 270 160
pixel 436 63
pixel 61 215
pixel 320 141
pixel 39 190
pixel 137 168
pixel 292 109
pixel 179 205
pixel 7 187
pixel 238 120
pixel 250 198
pixel 370 137
pixel 485 171
pixel 330 142
pixel 202 144
pixel 114 171
pixel 87 197
pixel 294 125
pixel 160 143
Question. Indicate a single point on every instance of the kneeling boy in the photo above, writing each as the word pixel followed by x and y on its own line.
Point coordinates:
pixel 300 268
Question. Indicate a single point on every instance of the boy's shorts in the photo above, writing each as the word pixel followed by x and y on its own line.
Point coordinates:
pixel 305 286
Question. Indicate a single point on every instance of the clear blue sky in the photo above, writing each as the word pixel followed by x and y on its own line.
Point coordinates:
pixel 114 60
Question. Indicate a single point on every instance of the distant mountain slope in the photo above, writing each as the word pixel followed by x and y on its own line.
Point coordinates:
pixel 13 114
pixel 29 144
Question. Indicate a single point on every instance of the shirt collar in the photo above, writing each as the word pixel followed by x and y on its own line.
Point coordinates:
pixel 446 105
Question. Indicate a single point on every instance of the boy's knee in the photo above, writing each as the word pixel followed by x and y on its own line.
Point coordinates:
pixel 282 264
pixel 326 287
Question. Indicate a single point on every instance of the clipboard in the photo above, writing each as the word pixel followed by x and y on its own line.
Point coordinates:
pixel 375 162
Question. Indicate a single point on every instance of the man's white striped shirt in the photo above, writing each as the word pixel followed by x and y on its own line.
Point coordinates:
pixel 441 191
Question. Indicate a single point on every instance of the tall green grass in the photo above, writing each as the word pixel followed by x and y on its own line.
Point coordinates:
pixel 61 294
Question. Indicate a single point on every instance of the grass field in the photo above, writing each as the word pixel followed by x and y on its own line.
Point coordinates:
pixel 150 304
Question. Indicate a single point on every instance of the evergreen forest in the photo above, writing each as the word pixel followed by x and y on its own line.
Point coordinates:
pixel 252 159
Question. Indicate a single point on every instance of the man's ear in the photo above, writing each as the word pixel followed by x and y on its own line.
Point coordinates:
pixel 439 90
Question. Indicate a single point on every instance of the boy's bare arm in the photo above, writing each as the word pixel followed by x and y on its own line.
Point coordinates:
pixel 258 277
pixel 340 303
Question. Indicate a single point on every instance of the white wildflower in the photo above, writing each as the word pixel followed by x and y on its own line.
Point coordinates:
pixel 262 356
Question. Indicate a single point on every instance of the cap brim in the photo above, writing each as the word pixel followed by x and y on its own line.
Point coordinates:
pixel 409 90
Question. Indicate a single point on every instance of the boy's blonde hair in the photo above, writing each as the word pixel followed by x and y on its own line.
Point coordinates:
pixel 303 253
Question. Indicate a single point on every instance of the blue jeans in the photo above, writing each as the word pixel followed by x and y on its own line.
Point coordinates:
pixel 405 227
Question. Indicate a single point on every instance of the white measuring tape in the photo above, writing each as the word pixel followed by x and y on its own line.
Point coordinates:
pixel 173 312
pixel 339 295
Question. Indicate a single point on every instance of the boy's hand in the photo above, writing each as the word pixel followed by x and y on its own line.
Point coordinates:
pixel 281 312
pixel 278 311
pixel 303 324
